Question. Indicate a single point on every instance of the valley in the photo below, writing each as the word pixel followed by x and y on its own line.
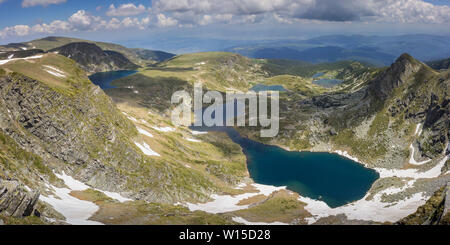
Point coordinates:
pixel 115 155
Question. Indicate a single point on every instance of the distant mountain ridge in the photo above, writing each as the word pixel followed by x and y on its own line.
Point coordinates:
pixel 378 50
pixel 93 59
pixel 443 64
pixel 140 57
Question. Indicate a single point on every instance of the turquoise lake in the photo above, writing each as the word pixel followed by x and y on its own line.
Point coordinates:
pixel 322 176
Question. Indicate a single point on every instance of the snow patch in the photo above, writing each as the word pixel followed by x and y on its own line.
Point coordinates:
pixel 164 129
pixel 115 195
pixel 244 221
pixel 54 69
pixel 418 131
pixel 2 62
pixel 132 118
pixel 193 140
pixel 412 160
pixel 146 149
pixel 56 74
pixel 76 211
pixel 413 173
pixel 228 203
pixel 144 132
pixel 373 210
pixel 198 132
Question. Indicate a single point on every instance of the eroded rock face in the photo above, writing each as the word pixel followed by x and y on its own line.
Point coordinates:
pixel 93 59
pixel 15 200
pixel 395 76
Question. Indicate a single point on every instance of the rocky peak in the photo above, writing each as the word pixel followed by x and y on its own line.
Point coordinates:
pixel 93 59
pixel 396 75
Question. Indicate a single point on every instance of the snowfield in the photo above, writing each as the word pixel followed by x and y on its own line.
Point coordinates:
pixel 76 211
pixel 369 210
pixel 228 203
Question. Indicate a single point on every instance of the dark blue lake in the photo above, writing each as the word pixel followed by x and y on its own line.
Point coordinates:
pixel 104 79
pixel 322 176
pixel 328 177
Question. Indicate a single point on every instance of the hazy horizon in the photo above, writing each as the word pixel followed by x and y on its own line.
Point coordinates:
pixel 156 24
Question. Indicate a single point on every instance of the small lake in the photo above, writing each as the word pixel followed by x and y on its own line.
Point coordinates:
pixel 318 74
pixel 104 79
pixel 327 83
pixel 321 176
pixel 262 87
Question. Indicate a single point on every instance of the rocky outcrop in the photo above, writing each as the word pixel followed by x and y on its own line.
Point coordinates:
pixel 445 218
pixel 93 59
pixel 16 201
pixel 436 211
pixel 396 75
pixel 155 55
pixel 79 130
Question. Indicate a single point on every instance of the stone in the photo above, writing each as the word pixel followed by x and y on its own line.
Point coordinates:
pixel 15 201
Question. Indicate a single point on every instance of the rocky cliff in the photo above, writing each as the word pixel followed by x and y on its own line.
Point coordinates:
pixel 93 59
pixel 16 201
pixel 68 124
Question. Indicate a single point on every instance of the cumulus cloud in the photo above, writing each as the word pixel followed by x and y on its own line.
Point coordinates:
pixel 81 21
pixel 32 3
pixel 287 11
pixel 127 9
pixel 187 13
pixel 164 21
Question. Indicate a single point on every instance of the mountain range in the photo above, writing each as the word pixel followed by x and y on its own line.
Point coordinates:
pixel 72 153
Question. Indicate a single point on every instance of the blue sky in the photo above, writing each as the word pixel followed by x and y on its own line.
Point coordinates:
pixel 143 21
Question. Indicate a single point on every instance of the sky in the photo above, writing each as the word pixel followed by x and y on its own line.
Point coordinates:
pixel 152 23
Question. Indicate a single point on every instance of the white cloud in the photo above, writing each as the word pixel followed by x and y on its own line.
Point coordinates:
pixel 81 20
pixel 32 3
pixel 189 13
pixel 287 11
pixel 53 27
pixel 127 9
pixel 163 21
